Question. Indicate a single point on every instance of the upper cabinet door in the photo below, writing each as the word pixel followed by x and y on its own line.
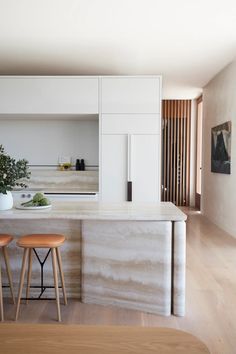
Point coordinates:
pixel 130 94
pixel 56 95
pixel 130 123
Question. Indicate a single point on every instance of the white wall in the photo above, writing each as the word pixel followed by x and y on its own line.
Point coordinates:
pixel 42 141
pixel 219 190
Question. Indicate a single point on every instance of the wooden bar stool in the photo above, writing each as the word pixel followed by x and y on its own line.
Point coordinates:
pixel 4 241
pixel 32 242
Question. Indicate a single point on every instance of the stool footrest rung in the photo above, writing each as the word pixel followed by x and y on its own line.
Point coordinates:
pixel 45 287
pixel 41 293
pixel 38 298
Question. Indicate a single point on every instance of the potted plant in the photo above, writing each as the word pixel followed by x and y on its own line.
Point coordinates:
pixel 11 171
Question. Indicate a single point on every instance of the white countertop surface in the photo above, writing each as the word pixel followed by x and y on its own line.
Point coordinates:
pixel 91 210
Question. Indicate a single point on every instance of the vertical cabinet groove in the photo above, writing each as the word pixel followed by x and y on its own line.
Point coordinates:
pixel 176 123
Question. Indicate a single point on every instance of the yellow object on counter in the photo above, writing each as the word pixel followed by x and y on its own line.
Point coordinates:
pixel 65 166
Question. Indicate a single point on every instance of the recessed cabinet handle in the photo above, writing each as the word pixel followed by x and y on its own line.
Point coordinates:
pixel 129 168
pixel 129 191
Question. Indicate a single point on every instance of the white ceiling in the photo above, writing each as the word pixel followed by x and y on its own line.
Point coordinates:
pixel 186 41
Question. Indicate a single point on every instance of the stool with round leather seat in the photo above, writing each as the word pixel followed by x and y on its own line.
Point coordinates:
pixel 30 243
pixel 4 242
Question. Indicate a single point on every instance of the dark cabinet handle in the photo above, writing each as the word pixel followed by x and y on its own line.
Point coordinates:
pixel 129 191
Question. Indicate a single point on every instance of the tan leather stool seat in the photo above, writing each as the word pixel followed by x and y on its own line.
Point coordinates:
pixel 5 239
pixel 41 241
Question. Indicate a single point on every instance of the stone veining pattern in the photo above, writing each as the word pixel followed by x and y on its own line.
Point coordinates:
pixel 63 181
pixel 127 264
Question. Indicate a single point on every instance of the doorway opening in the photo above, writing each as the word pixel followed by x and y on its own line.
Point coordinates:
pixel 199 154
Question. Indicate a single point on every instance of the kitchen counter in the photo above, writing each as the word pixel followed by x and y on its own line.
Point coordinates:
pixel 101 211
pixel 130 255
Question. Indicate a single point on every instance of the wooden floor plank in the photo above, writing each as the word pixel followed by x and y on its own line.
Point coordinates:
pixel 74 339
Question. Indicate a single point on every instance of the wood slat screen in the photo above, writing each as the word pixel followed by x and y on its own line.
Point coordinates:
pixel 176 120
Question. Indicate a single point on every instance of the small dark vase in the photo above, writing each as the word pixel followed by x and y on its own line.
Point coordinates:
pixel 78 165
pixel 82 165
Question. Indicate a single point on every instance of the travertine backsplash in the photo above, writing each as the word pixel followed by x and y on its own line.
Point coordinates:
pixel 63 181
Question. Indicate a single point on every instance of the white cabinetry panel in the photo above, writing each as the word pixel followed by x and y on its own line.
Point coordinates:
pixel 143 162
pixel 57 95
pixel 130 95
pixel 130 123
pixel 145 168
pixel 114 168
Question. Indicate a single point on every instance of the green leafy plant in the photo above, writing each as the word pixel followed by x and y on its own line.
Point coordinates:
pixel 38 200
pixel 11 171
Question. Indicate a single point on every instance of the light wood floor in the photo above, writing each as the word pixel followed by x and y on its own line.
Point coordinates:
pixel 211 294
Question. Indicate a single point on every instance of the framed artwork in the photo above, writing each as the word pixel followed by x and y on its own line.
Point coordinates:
pixel 221 148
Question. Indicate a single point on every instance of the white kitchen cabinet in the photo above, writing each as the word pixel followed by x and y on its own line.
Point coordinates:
pixel 145 168
pixel 113 169
pixel 130 109
pixel 130 123
pixel 130 94
pixel 132 158
pixel 49 95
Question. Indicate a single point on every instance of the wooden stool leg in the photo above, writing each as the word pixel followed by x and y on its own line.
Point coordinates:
pixel 22 276
pixel 54 266
pixel 29 275
pixel 8 269
pixel 1 299
pixel 61 274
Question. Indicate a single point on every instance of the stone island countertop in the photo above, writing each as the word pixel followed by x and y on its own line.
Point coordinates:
pixel 91 210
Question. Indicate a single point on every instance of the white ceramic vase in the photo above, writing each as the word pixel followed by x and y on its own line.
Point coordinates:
pixel 6 201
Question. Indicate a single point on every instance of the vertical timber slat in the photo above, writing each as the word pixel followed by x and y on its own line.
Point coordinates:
pixel 171 153
pixel 164 179
pixel 174 153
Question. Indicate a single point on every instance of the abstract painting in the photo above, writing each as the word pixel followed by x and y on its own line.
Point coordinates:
pixel 221 148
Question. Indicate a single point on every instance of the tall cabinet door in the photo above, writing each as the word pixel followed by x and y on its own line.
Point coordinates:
pixel 114 168
pixel 136 161
pixel 145 168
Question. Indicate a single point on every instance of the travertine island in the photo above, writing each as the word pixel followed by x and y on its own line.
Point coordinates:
pixel 129 255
